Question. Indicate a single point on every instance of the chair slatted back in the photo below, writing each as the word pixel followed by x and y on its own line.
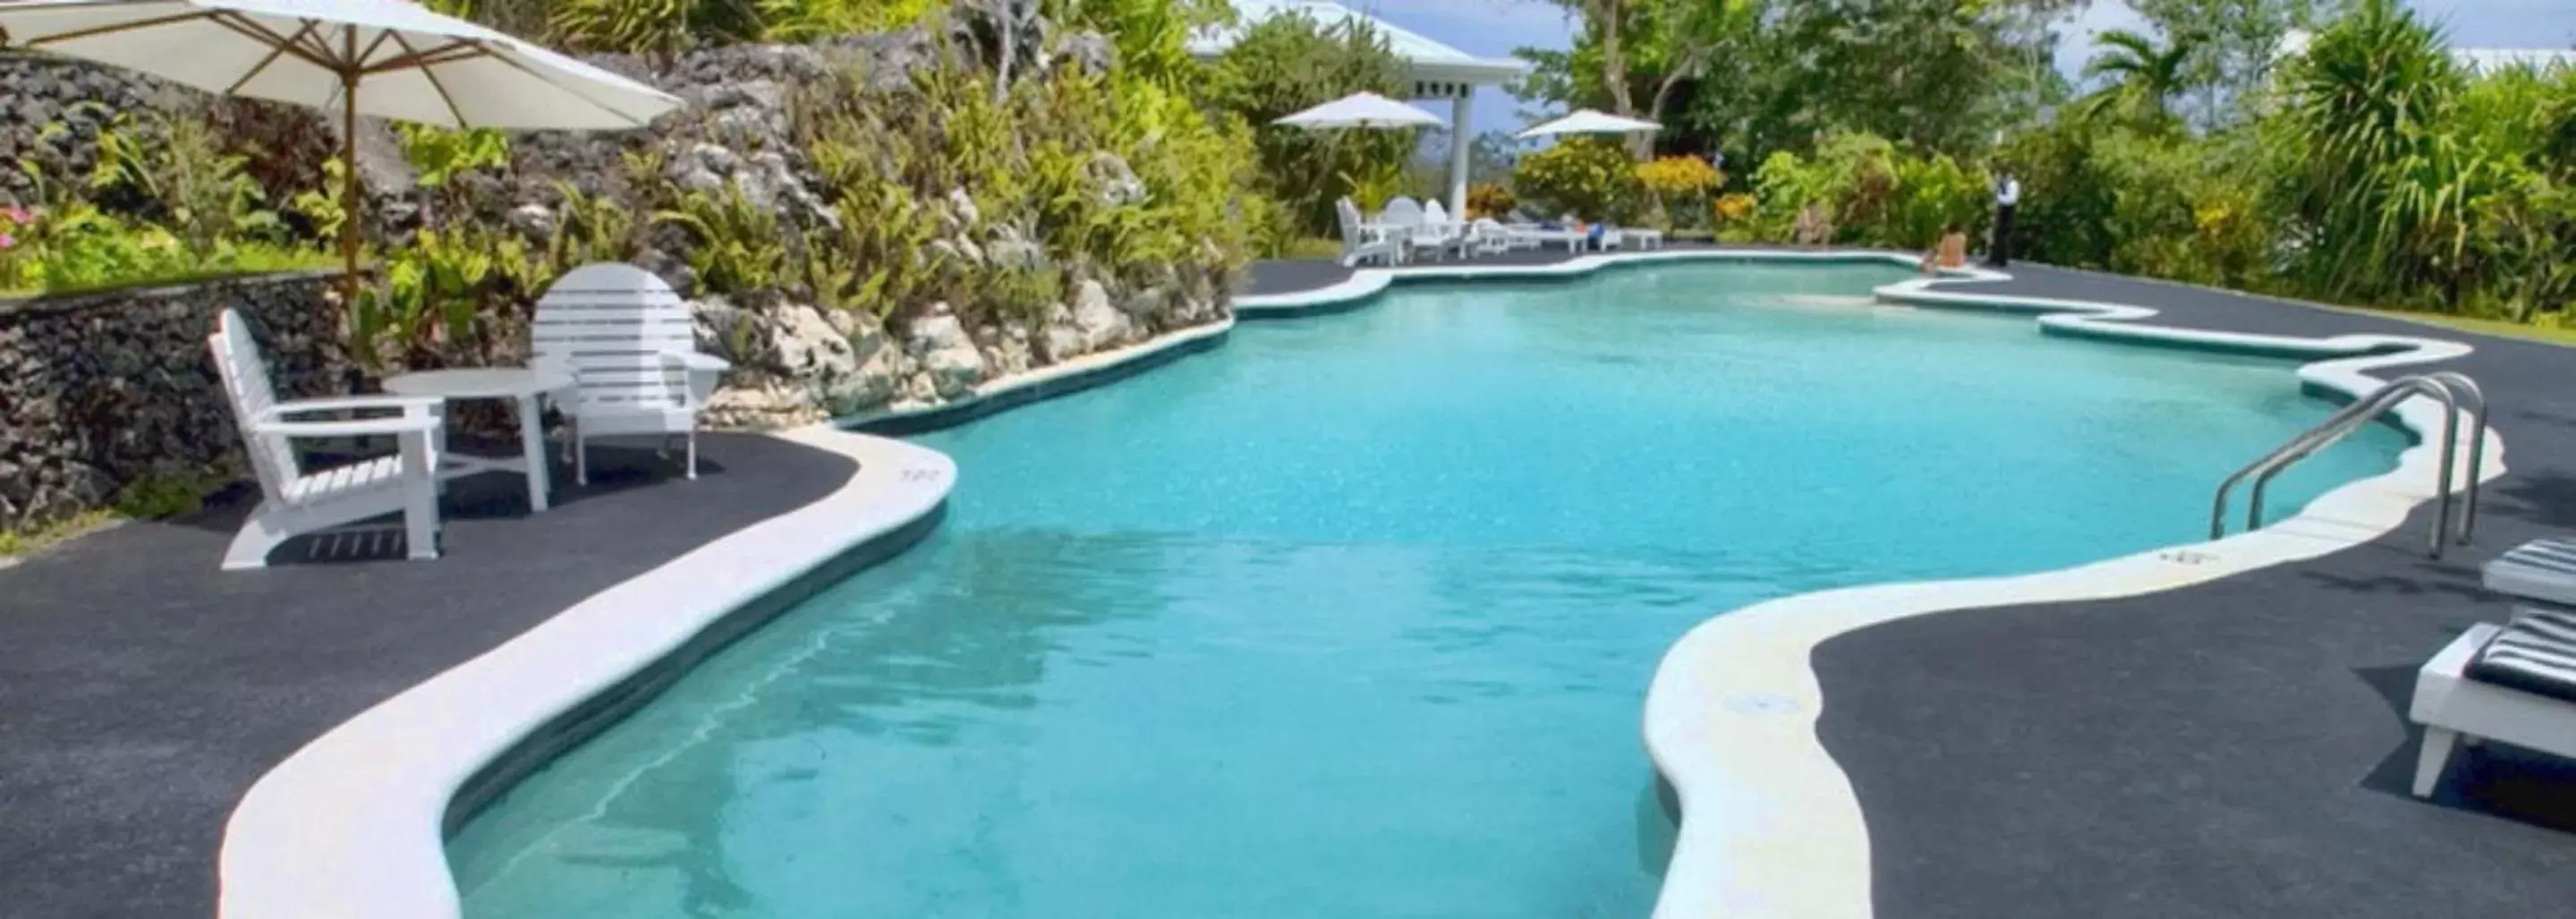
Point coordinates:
pixel 1401 212
pixel 613 327
pixel 1350 214
pixel 246 385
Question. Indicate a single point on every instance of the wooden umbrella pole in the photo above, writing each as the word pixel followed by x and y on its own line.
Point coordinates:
pixel 349 203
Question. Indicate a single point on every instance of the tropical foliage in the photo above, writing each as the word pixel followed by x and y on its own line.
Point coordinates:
pixel 1587 178
pixel 2370 168
pixel 1290 63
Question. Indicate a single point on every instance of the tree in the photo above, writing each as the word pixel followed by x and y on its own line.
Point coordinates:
pixel 2234 44
pixel 2142 77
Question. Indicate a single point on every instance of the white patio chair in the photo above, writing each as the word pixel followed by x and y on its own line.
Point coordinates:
pixel 1404 221
pixel 1451 234
pixel 1360 241
pixel 630 346
pixel 294 501
pixel 2515 682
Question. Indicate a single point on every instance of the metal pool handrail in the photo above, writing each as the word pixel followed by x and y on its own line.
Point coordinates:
pixel 2446 387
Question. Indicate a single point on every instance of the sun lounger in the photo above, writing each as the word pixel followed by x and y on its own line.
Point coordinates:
pixel 2515 682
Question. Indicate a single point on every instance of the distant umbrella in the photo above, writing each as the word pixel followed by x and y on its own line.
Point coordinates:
pixel 384 58
pixel 1363 110
pixel 1588 121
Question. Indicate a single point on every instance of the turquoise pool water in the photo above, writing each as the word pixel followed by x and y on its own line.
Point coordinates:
pixel 1353 617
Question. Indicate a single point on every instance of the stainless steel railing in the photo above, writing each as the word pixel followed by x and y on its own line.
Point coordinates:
pixel 2447 387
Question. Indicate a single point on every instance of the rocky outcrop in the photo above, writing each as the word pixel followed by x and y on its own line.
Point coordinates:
pixel 795 359
pixel 101 391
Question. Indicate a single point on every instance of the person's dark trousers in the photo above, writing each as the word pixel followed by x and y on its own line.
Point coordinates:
pixel 2000 253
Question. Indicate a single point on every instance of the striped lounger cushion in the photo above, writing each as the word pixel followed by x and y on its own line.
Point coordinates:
pixel 2542 569
pixel 2535 653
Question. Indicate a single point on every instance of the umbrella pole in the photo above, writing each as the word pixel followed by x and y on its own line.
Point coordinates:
pixel 349 203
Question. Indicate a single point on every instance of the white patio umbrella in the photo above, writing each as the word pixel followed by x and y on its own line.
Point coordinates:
pixel 384 58
pixel 1363 110
pixel 1589 121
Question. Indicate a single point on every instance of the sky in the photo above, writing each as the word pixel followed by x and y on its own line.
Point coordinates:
pixel 1492 28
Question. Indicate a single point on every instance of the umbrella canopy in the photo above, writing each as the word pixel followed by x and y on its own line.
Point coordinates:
pixel 1362 110
pixel 385 58
pixel 1589 121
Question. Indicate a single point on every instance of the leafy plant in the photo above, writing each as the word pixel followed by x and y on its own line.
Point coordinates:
pixel 1588 178
pixel 1490 199
pixel 1680 185
pixel 176 171
pixel 737 244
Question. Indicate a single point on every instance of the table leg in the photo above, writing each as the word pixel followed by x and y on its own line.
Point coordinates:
pixel 532 446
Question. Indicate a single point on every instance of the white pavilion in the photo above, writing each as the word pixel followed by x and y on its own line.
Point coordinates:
pixel 1437 70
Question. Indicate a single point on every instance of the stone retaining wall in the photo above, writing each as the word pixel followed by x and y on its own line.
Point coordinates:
pixel 99 391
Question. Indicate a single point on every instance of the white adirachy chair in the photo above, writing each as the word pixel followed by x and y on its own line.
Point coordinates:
pixel 1361 242
pixel 630 346
pixel 1452 232
pixel 2515 682
pixel 294 501
pixel 1403 219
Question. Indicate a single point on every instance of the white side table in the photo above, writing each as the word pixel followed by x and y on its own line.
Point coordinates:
pixel 522 385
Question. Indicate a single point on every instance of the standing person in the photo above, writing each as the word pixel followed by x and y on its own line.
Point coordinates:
pixel 2007 196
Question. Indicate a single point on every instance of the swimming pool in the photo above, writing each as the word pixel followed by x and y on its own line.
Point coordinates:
pixel 1353 617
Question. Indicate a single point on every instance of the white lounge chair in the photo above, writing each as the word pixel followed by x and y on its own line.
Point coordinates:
pixel 1487 237
pixel 630 346
pixel 2515 682
pixel 1361 241
pixel 294 501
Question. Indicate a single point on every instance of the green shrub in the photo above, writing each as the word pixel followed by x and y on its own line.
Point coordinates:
pixel 1588 178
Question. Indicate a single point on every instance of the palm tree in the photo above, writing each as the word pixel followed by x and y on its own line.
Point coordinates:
pixel 2142 76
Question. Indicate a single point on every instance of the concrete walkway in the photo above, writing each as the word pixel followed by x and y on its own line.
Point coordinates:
pixel 142 690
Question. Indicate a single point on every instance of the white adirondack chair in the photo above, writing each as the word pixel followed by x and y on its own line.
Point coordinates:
pixel 1361 242
pixel 629 344
pixel 1452 234
pixel 293 501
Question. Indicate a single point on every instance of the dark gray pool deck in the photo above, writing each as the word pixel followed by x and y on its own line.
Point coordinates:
pixel 142 690
pixel 2234 749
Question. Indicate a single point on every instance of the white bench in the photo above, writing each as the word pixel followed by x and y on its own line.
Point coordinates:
pixel 294 501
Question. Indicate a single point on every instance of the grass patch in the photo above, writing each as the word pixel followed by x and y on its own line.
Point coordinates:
pixel 148 498
pixel 250 263
pixel 21 542
pixel 2506 328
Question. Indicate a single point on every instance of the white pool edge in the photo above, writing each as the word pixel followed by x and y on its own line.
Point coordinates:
pixel 352 824
pixel 1770 826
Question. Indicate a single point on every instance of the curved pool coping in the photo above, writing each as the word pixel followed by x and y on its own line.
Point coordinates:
pixel 1770 826
pixel 356 822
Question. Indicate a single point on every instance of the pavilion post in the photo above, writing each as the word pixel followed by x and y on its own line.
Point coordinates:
pixel 1462 142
